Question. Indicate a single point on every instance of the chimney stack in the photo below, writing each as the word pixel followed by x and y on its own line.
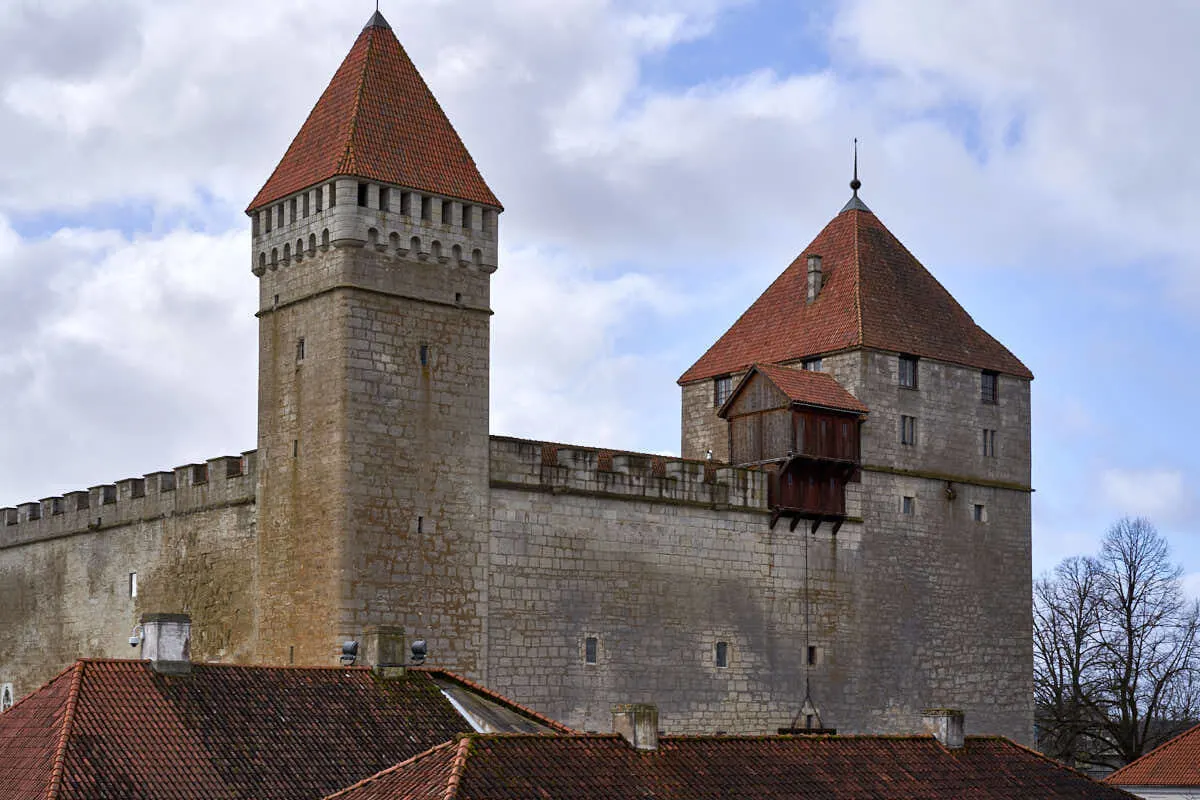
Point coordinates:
pixel 815 277
pixel 638 723
pixel 167 642
pixel 946 724
pixel 384 649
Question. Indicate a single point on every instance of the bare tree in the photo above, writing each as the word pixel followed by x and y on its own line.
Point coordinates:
pixel 1116 650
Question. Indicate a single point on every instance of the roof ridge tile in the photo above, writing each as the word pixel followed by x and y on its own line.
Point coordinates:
pixel 60 751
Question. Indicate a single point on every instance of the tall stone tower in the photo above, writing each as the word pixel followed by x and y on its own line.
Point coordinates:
pixel 374 242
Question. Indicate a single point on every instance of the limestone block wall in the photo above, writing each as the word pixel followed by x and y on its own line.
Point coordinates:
pixel 702 428
pixel 658 562
pixel 66 565
pixel 375 497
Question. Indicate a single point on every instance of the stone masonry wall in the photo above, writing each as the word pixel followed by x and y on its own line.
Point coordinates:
pixel 65 576
pixel 377 515
pixel 658 563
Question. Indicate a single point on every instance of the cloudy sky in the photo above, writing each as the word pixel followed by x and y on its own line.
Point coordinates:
pixel 661 161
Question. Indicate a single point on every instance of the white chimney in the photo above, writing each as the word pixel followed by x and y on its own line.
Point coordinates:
pixel 167 642
pixel 815 277
pixel 638 723
pixel 946 725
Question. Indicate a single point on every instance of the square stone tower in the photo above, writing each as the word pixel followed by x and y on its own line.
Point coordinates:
pixel 374 242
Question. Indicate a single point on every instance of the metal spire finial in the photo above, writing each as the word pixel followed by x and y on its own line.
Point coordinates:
pixel 855 203
pixel 856 184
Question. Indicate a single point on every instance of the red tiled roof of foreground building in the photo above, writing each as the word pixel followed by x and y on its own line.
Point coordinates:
pixel 804 386
pixel 119 729
pixel 378 120
pixel 1174 763
pixel 593 767
pixel 875 294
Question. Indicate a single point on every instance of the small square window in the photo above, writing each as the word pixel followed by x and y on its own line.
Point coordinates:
pixel 989 443
pixel 811 365
pixel 989 387
pixel 979 512
pixel 908 505
pixel 722 388
pixel 908 430
pixel 722 654
pixel 908 372
pixel 591 648
pixel 812 655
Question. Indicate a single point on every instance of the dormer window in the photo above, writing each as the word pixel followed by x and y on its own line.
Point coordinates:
pixel 908 372
pixel 811 365
pixel 722 388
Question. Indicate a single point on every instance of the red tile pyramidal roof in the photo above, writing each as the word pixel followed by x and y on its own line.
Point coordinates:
pixel 875 294
pixel 378 120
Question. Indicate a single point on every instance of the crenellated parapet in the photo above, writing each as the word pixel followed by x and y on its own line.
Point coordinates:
pixel 565 469
pixel 351 212
pixel 218 482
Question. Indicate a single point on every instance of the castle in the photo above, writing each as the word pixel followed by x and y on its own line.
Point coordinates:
pixel 845 541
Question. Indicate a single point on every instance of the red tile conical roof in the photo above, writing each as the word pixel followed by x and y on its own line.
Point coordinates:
pixel 378 120
pixel 875 294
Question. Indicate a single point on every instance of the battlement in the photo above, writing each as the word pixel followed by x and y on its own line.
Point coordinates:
pixel 223 481
pixel 562 469
pixel 349 211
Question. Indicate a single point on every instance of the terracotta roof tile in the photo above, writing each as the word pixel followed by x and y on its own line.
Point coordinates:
pixel 875 294
pixel 837 768
pixel 1174 763
pixel 119 729
pixel 815 388
pixel 378 120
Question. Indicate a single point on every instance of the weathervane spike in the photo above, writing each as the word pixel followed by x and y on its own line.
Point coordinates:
pixel 856 184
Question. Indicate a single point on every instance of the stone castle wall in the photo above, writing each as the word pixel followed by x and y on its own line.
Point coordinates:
pixel 65 566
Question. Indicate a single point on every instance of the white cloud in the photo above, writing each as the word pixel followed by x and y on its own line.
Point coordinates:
pixel 1159 494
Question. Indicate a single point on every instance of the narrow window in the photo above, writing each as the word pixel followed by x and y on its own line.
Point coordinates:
pixel 812 655
pixel 385 198
pixel 292 210
pixel 255 222
pixel 306 205
pixel 810 721
pixel 267 216
pixel 989 443
pixel 591 646
pixel 908 430
pixel 362 195
pixel 406 204
pixel 291 654
pixel 980 513
pixel 133 584
pixel 811 364
pixel 6 697
pixel 447 212
pixel 722 654
pixel 295 448
pixel 300 349
pixel 427 209
pixel 989 391
pixel 722 388
pixel 908 372
pixel 332 195
pixel 907 505
pixel 458 298
pixel 420 524
pixel 424 355
pixel 320 197
pixel 280 212
pixel 468 213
